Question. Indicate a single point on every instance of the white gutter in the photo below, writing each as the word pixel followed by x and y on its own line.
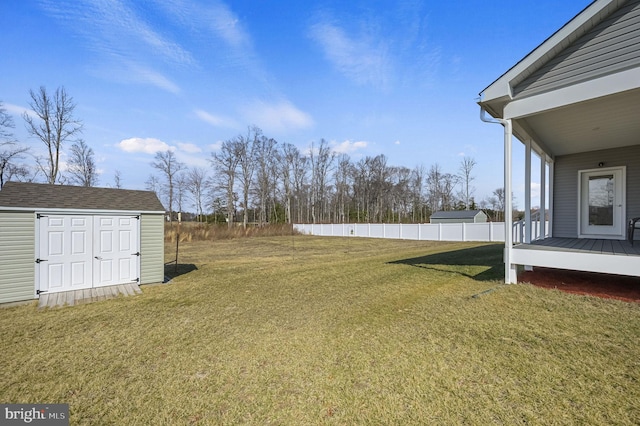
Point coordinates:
pixel 510 275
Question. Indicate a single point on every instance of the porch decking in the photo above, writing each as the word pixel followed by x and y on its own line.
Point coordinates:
pixel 585 245
pixel 76 297
pixel 592 255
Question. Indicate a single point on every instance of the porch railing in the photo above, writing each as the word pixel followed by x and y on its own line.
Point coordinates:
pixel 539 229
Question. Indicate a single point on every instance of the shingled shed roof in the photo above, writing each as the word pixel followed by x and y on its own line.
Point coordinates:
pixel 43 196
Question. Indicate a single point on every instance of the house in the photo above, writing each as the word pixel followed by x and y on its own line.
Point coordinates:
pixel 56 238
pixel 574 102
pixel 459 216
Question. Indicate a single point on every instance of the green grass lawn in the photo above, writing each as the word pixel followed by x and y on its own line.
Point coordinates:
pixel 307 330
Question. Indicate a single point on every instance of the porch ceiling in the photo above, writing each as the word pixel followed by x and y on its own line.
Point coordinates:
pixel 607 122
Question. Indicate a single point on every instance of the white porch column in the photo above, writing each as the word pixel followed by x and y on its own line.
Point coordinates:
pixel 551 182
pixel 527 197
pixel 510 275
pixel 543 184
pixel 527 192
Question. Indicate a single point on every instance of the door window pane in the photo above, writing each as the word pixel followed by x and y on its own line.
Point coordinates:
pixel 601 196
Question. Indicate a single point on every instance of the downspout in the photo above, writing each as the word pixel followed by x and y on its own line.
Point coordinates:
pixel 510 276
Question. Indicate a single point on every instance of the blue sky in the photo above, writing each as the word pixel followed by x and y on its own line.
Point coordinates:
pixel 399 78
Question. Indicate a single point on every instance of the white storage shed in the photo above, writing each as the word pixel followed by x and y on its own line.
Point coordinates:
pixel 56 238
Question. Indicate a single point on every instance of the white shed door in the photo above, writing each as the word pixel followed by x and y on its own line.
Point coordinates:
pixel 78 252
pixel 116 250
pixel 65 253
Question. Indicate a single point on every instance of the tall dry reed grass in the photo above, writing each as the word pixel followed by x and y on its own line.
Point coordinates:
pixel 193 231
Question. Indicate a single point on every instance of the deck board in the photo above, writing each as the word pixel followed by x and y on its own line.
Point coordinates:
pixel 584 245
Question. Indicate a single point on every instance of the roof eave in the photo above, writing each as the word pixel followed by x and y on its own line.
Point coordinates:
pixel 79 211
pixel 502 86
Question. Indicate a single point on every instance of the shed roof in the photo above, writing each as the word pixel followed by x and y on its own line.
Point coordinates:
pixel 456 214
pixel 44 196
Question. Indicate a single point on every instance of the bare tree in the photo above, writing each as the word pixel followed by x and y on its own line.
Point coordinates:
pixel 6 125
pixel 153 184
pixel 417 184
pixel 321 162
pixel 342 177
pixel 466 169
pixel 299 166
pixel 54 124
pixel 196 185
pixel 264 155
pixel 246 149
pixel 10 152
pixel 181 189
pixel 117 179
pixel 285 158
pixel 82 166
pixel 225 163
pixel 169 165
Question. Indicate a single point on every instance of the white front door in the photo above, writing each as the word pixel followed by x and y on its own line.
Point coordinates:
pixel 65 253
pixel 84 251
pixel 115 250
pixel 602 203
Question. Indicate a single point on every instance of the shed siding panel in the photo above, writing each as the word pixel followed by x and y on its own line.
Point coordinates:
pixel 151 248
pixel 611 46
pixel 565 218
pixel 17 254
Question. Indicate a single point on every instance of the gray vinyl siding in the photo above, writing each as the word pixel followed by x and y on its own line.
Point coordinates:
pixel 151 248
pixel 566 168
pixel 17 256
pixel 611 46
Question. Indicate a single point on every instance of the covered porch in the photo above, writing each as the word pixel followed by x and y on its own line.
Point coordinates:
pixel 574 104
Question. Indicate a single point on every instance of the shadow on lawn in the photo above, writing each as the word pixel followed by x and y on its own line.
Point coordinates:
pixel 170 270
pixel 489 256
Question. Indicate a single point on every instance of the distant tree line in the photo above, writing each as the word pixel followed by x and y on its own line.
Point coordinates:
pixel 253 179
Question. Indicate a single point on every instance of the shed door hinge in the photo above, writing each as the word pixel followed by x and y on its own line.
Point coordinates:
pixel 40 291
pixel 40 260
pixel 40 215
pixel 136 254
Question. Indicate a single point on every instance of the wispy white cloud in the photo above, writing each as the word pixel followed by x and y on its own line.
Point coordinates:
pixel 215 120
pixel 189 147
pixel 361 58
pixel 127 47
pixel 348 147
pixel 142 74
pixel 215 146
pixel 378 52
pixel 224 31
pixel 278 117
pixel 146 145
pixel 18 110
pixel 114 27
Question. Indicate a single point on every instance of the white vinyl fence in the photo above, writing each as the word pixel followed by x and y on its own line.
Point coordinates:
pixel 487 231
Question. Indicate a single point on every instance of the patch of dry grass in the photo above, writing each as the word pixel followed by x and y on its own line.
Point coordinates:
pixel 309 330
pixel 194 231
